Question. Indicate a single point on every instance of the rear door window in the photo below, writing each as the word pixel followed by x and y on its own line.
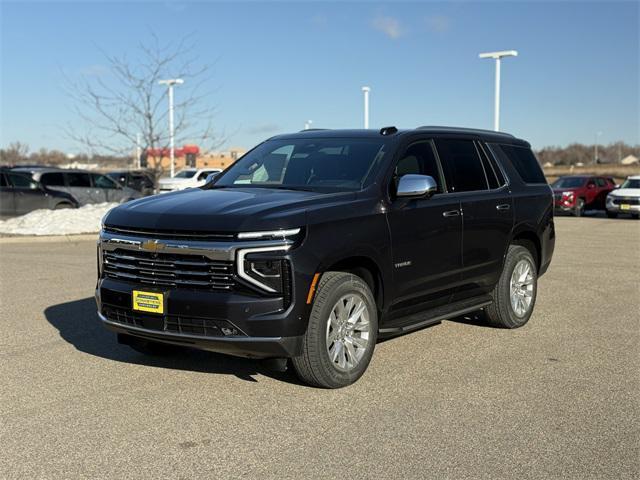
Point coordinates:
pixel 102 181
pixel 524 162
pixel 462 166
pixel 55 179
pixel 78 179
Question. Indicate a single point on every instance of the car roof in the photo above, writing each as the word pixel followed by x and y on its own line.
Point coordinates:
pixel 488 135
pixel 634 177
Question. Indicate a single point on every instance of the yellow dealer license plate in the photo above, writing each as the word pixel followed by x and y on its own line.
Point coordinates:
pixel 625 206
pixel 148 302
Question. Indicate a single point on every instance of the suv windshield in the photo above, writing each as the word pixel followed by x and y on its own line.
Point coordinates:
pixel 631 183
pixel 318 164
pixel 569 182
pixel 185 174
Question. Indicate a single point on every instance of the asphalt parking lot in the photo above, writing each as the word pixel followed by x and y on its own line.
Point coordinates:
pixel 559 398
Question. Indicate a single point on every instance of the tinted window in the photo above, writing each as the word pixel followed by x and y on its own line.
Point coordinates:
pixel 52 179
pixel 139 181
pixel 601 182
pixel 420 159
pixel 22 181
pixel 494 174
pixel 569 182
pixel 76 179
pixel 121 178
pixel 318 164
pixel 102 181
pixel 462 165
pixel 525 163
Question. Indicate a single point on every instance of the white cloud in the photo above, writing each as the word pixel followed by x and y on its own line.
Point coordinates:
pixel 390 26
pixel 438 23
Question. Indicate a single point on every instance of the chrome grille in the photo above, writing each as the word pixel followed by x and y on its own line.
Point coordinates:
pixel 629 201
pixel 172 270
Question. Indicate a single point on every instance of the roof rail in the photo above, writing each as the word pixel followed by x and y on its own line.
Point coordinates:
pixel 463 130
pixel 313 129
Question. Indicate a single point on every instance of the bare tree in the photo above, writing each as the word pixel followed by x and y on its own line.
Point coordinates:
pixel 14 154
pixel 125 104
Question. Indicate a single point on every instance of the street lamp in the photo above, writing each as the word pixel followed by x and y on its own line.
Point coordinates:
pixel 497 56
pixel 365 91
pixel 170 83
pixel 595 153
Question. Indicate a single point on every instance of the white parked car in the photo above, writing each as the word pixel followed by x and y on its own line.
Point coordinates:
pixel 625 199
pixel 186 178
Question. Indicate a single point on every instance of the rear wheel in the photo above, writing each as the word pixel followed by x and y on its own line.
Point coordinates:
pixel 514 295
pixel 578 210
pixel 62 206
pixel 341 334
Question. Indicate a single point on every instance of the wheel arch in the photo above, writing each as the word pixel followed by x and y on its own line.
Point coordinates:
pixel 528 237
pixel 366 268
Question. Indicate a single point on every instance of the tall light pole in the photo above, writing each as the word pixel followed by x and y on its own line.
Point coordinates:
pixel 307 124
pixel 497 56
pixel 595 153
pixel 365 91
pixel 170 83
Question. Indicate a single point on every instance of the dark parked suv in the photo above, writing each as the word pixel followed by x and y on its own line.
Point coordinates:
pixel 314 245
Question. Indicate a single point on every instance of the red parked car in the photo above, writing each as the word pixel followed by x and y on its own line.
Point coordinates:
pixel 577 193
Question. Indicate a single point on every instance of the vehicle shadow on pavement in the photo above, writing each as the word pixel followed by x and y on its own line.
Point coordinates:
pixel 79 325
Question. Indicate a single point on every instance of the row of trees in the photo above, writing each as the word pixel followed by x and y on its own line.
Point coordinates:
pixel 18 153
pixel 586 154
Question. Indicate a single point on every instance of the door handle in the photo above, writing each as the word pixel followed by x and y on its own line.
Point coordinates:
pixel 503 206
pixel 451 213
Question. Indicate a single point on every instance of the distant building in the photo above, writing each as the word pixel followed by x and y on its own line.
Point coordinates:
pixel 190 156
pixel 630 160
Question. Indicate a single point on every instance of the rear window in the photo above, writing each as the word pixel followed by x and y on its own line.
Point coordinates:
pixel 524 162
pixel 52 179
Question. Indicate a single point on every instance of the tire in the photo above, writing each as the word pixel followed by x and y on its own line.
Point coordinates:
pixel 502 313
pixel 612 214
pixel 635 216
pixel 328 343
pixel 578 210
pixel 62 206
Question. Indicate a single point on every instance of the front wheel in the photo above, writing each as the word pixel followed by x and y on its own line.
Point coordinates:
pixel 342 332
pixel 612 214
pixel 515 293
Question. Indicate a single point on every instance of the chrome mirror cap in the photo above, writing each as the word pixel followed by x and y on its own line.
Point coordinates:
pixel 211 177
pixel 412 185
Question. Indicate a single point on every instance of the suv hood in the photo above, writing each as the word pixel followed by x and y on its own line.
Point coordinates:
pixel 219 210
pixel 625 192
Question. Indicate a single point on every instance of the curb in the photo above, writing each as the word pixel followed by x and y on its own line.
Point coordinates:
pixel 50 238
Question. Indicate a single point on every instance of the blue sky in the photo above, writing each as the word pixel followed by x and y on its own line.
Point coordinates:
pixel 278 64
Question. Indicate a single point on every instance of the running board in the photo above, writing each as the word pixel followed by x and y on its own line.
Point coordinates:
pixel 412 322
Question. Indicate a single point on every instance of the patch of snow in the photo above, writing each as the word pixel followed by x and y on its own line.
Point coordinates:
pixel 67 221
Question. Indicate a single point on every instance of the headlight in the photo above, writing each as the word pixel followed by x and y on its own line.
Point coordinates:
pixel 264 267
pixel 270 234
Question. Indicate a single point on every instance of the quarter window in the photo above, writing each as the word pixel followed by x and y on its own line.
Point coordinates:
pixel 524 162
pixel 463 168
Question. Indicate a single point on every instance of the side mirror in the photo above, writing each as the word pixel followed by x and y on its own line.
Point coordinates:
pixel 412 185
pixel 211 177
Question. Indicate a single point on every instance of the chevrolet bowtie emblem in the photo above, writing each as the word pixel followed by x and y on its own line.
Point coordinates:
pixel 152 246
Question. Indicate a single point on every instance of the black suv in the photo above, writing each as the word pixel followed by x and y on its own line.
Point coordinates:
pixel 314 245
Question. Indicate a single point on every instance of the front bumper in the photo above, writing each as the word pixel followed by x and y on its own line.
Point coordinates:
pixel 238 320
pixel 249 347
pixel 622 207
